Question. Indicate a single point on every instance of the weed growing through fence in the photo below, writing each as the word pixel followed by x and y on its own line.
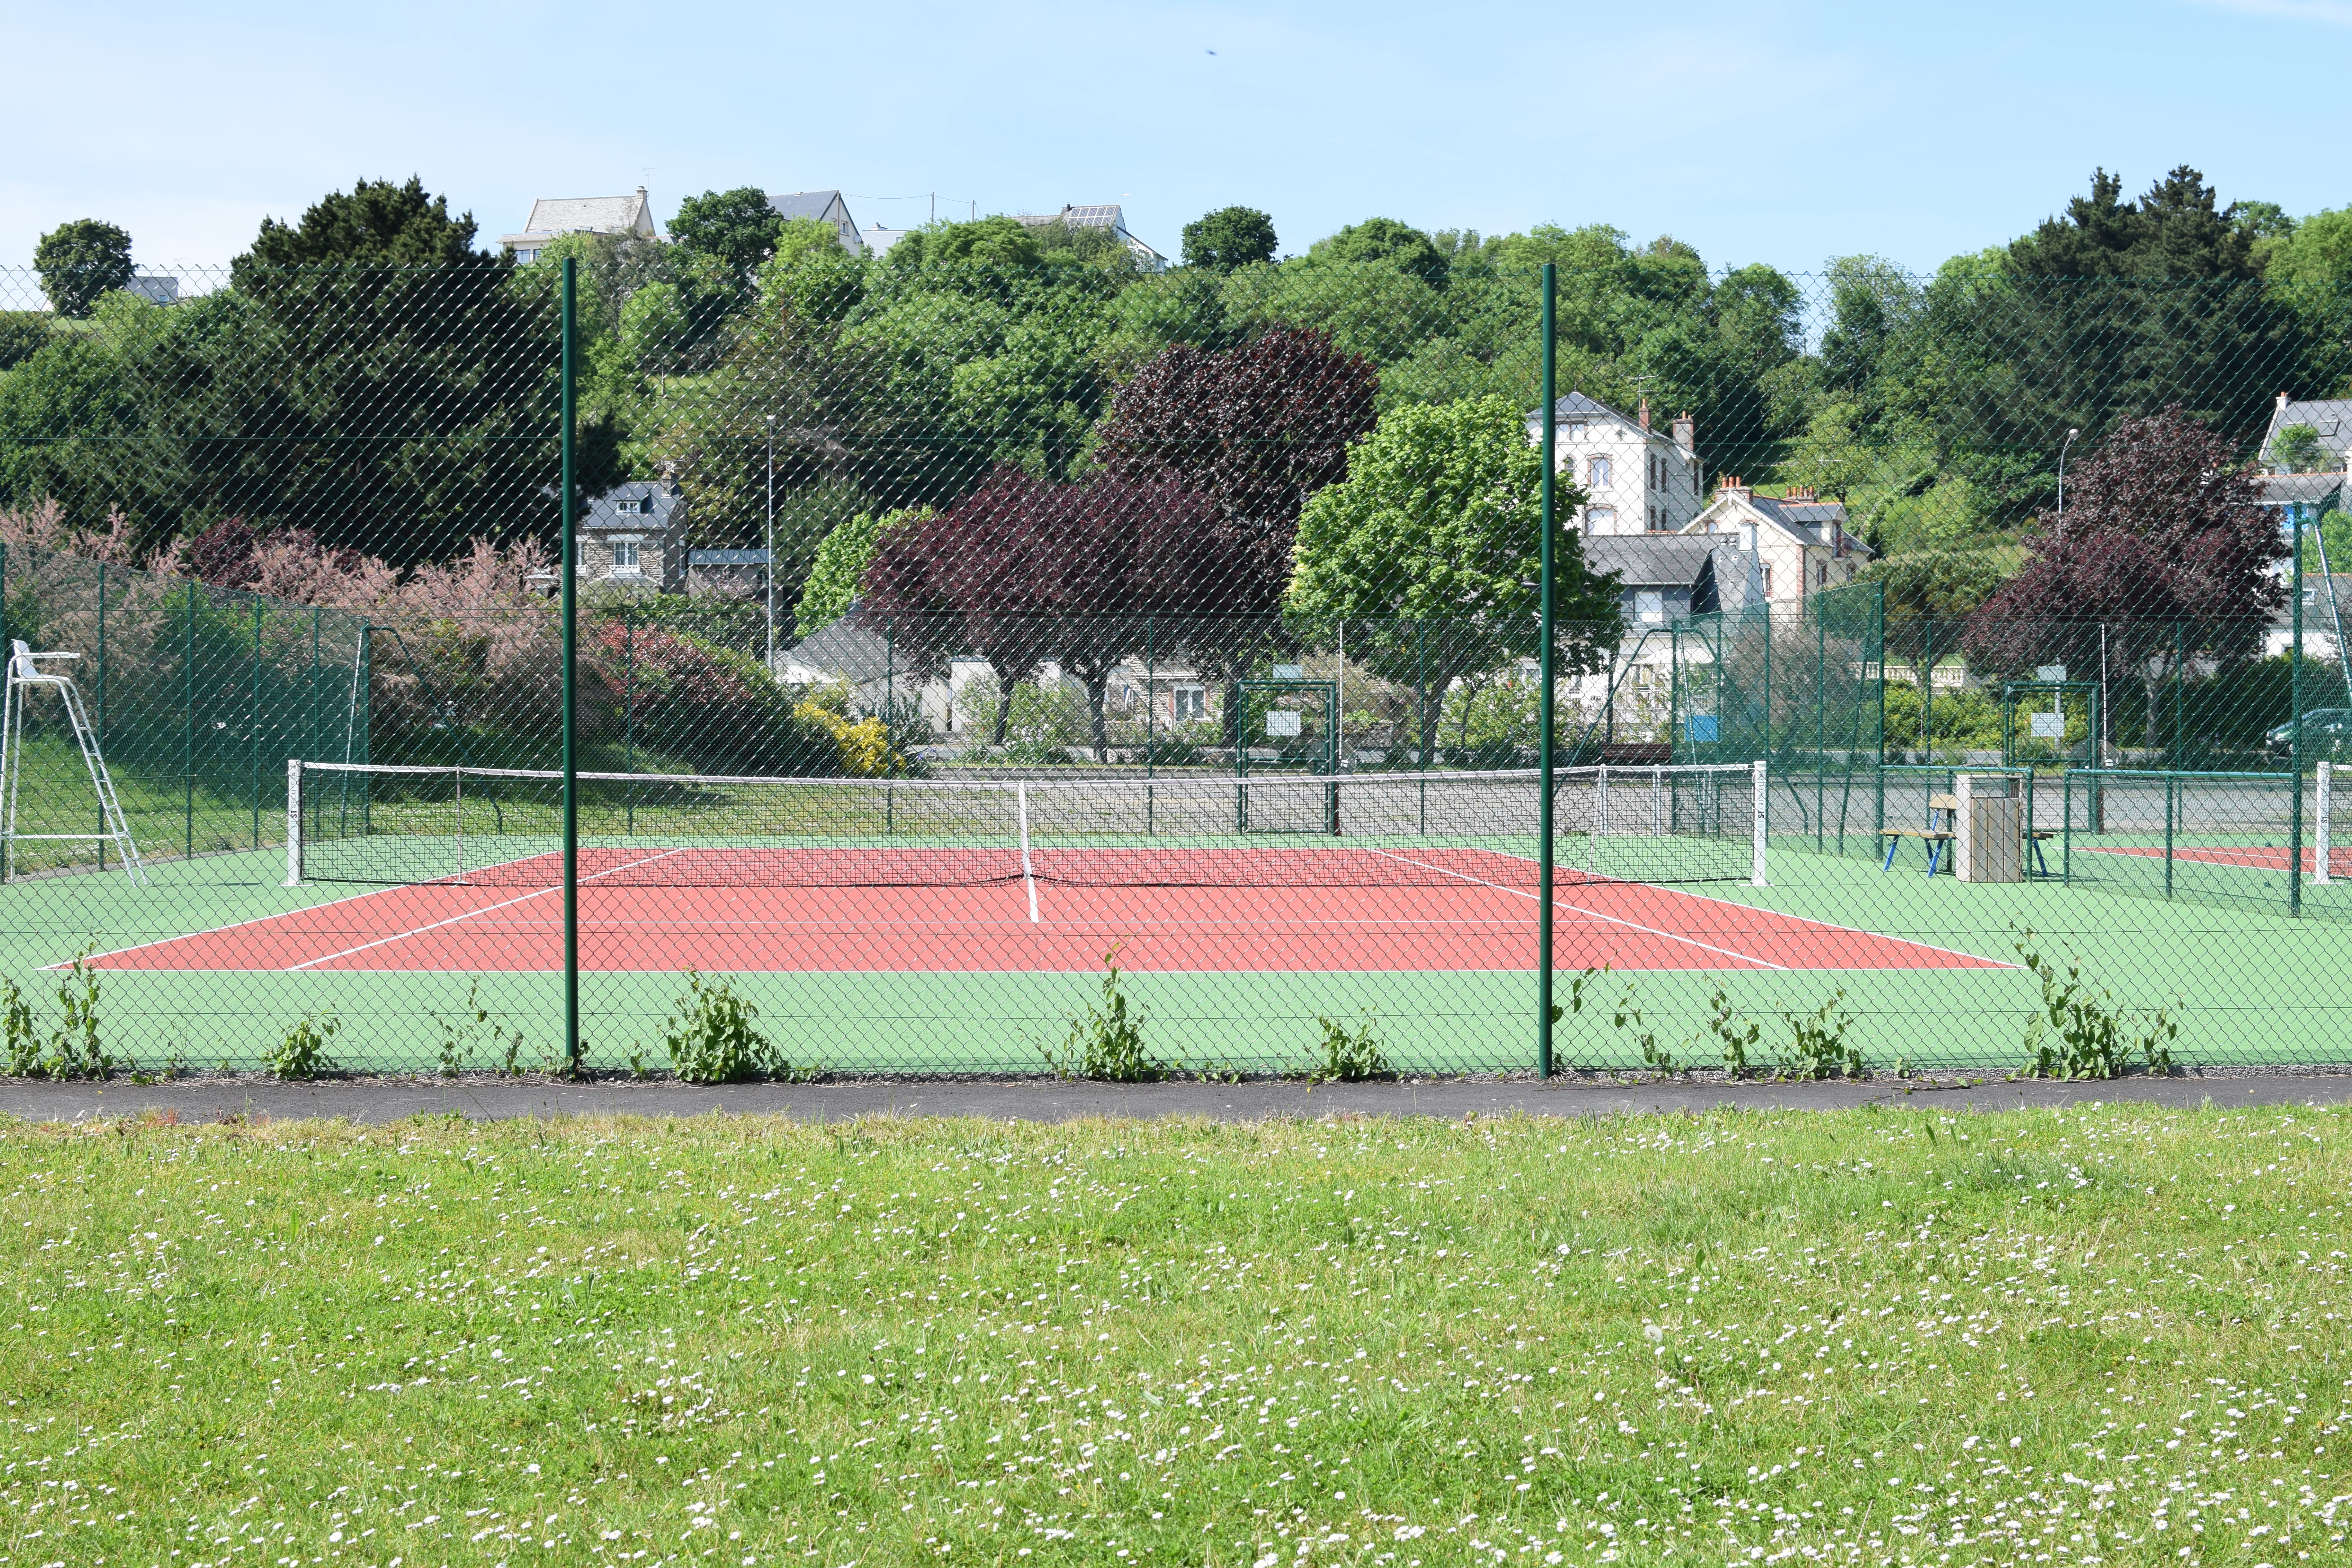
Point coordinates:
pixel 1348 1056
pixel 1648 1341
pixel 711 1038
pixel 23 1040
pixel 1818 1047
pixel 302 1054
pixel 1736 1034
pixel 1106 1042
pixel 2078 1032
pixel 476 1026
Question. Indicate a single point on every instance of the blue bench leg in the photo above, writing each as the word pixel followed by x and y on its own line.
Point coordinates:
pixel 1935 856
pixel 1892 846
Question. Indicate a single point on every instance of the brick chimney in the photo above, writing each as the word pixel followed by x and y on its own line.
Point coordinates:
pixel 1686 433
pixel 1801 495
pixel 1646 411
pixel 1729 485
pixel 2281 403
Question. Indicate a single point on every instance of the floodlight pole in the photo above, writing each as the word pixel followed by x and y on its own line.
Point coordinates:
pixel 570 581
pixel 768 541
pixel 1544 703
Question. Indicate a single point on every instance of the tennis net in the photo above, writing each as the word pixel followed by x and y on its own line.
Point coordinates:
pixel 503 827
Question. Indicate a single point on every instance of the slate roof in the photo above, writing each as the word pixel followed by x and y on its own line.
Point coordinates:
pixel 826 206
pixel 2330 416
pixel 843 651
pixel 600 214
pixel 1652 560
pixel 665 503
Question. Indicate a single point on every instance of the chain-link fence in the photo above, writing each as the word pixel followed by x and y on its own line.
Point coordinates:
pixel 981 667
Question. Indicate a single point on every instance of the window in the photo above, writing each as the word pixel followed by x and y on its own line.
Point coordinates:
pixel 1598 469
pixel 1191 704
pixel 1600 518
pixel 624 555
pixel 633 506
pixel 1821 574
pixel 1573 429
pixel 1768 581
pixel 1649 606
pixel 579 553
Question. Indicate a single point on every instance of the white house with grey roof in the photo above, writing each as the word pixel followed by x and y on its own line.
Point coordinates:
pixel 552 216
pixel 1636 480
pixel 2304 487
pixel 826 207
pixel 1800 541
pixel 1104 215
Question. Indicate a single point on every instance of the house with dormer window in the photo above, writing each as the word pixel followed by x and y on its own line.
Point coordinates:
pixel 1635 480
pixel 1800 541
pixel 634 536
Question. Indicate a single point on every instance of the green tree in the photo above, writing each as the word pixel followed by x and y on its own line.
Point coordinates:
pixel 374 224
pixel 80 260
pixel 740 227
pixel 2297 451
pixel 1229 237
pixel 1385 239
pixel 840 559
pixel 1929 595
pixel 1435 540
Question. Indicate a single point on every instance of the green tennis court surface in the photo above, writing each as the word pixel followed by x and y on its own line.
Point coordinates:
pixel 1967 1009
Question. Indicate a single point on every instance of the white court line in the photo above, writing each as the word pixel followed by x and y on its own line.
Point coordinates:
pixel 1809 920
pixel 1596 914
pixel 469 914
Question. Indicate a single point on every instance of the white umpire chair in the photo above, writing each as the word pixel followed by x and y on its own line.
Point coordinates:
pixel 25 679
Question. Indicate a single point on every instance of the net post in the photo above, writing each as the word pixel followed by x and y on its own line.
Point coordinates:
pixel 2321 805
pixel 1759 807
pixel 1028 867
pixel 568 576
pixel 293 822
pixel 1544 701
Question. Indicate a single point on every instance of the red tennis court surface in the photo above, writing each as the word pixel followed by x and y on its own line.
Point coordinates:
pixel 2257 858
pixel 1372 910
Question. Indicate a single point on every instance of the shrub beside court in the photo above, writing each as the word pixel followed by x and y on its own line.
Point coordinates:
pixel 2111 1333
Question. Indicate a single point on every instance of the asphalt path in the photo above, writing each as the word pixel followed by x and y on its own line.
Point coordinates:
pixel 218 1099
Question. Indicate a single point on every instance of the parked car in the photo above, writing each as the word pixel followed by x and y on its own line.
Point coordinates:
pixel 2325 732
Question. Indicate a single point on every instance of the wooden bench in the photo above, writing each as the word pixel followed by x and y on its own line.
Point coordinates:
pixel 1934 838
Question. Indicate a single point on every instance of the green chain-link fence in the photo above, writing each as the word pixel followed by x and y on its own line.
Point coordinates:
pixel 980 667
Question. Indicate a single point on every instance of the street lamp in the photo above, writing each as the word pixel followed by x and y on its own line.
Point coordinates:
pixel 2062 483
pixel 768 568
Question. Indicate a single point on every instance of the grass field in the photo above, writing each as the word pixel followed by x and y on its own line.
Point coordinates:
pixel 2111 1335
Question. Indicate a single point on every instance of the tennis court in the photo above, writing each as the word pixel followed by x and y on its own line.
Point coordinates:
pixel 1195 910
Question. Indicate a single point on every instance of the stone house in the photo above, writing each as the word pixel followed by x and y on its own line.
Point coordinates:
pixel 634 535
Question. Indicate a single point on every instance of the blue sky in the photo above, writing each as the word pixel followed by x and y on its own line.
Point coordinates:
pixel 1784 132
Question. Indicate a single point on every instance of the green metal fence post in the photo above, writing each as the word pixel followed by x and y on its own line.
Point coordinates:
pixel 188 749
pixel 253 718
pixel 1151 702
pixel 2177 692
pixel 101 721
pixel 1544 698
pixel 2168 834
pixel 629 710
pixel 2295 741
pixel 568 578
pixel 1821 729
pixel 889 722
